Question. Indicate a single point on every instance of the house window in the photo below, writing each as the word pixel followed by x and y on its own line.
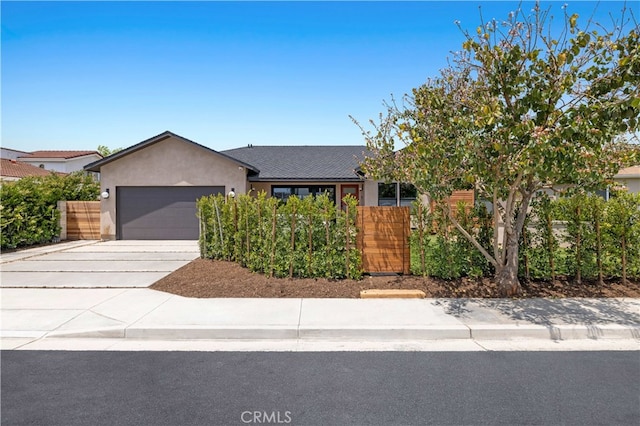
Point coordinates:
pixel 283 192
pixel 396 194
pixel 604 193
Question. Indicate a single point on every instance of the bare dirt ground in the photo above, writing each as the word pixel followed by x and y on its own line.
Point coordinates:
pixel 211 278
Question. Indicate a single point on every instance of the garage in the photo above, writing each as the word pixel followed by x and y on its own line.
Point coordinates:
pixel 159 212
pixel 150 189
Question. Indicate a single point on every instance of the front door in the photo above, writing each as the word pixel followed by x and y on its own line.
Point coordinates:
pixel 353 190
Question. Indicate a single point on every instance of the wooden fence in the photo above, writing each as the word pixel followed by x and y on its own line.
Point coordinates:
pixel 457 196
pixel 82 220
pixel 383 239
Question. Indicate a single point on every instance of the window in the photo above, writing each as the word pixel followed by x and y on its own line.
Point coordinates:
pixel 396 194
pixel 283 193
pixel 387 194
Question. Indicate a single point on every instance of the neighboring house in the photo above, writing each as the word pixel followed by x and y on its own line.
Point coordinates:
pixel 630 178
pixel 151 187
pixel 12 170
pixel 11 154
pixel 60 161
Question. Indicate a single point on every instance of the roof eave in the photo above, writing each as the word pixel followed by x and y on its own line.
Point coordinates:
pixel 305 179
pixel 96 165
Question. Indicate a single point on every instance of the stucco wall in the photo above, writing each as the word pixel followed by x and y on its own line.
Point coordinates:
pixel 370 193
pixel 62 165
pixel 632 184
pixel 170 162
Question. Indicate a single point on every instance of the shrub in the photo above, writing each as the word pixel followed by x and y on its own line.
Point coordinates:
pixel 28 209
pixel 305 237
pixel 440 250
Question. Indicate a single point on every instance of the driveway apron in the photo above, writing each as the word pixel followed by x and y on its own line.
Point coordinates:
pixel 109 264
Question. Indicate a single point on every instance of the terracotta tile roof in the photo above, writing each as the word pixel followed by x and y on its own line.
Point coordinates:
pixel 17 169
pixel 58 154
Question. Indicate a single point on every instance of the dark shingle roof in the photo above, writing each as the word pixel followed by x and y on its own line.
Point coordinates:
pixel 302 162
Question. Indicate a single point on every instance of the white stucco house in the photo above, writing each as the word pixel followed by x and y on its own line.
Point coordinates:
pixel 60 161
pixel 630 178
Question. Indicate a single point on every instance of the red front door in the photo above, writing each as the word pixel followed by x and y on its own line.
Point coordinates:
pixel 353 190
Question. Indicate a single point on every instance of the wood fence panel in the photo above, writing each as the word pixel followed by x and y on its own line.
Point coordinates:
pixel 457 196
pixel 83 220
pixel 383 239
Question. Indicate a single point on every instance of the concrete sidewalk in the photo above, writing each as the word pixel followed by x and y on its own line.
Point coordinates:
pixel 100 294
pixel 29 315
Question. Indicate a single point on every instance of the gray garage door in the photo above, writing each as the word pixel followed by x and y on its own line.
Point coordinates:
pixel 159 212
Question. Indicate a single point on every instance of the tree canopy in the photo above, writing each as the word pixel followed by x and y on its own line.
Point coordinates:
pixel 105 151
pixel 520 108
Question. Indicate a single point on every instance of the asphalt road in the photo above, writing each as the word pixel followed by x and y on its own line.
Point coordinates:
pixel 326 388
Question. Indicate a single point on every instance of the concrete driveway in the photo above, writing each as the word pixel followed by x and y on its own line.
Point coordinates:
pixel 95 264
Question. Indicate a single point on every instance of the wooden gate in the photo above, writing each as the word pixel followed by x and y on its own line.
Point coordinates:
pixel 83 220
pixel 383 239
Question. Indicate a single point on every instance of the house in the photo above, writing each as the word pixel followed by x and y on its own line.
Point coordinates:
pixel 630 178
pixel 60 161
pixel 149 189
pixel 12 170
pixel 11 154
pixel 306 170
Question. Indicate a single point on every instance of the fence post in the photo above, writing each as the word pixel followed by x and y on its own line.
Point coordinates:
pixel 273 238
pixel 62 208
pixel 293 240
pixel 423 268
pixel 348 248
pixel 203 234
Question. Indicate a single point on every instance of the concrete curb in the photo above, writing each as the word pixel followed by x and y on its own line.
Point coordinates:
pixel 390 332
pixel 485 332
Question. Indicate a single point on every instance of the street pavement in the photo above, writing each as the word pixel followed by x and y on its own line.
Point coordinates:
pixel 94 295
pixel 319 388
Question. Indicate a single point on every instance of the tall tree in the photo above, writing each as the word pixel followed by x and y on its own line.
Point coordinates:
pixel 105 151
pixel 518 109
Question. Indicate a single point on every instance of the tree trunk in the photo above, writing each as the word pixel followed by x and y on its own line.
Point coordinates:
pixel 507 276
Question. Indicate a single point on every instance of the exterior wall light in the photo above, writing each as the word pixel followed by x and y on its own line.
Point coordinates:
pixel 105 194
pixel 232 193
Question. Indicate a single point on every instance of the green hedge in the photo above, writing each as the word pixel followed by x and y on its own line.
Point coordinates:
pixel 581 237
pixel 584 237
pixel 28 206
pixel 305 237
pixel 439 250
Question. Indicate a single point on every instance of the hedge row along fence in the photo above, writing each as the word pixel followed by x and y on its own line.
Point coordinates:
pixel 583 237
pixel 439 250
pixel 29 212
pixel 580 237
pixel 305 237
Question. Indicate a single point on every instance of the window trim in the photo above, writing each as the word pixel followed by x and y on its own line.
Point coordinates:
pixel 332 194
pixel 399 200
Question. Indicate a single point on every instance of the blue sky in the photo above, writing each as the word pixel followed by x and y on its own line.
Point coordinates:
pixel 76 75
